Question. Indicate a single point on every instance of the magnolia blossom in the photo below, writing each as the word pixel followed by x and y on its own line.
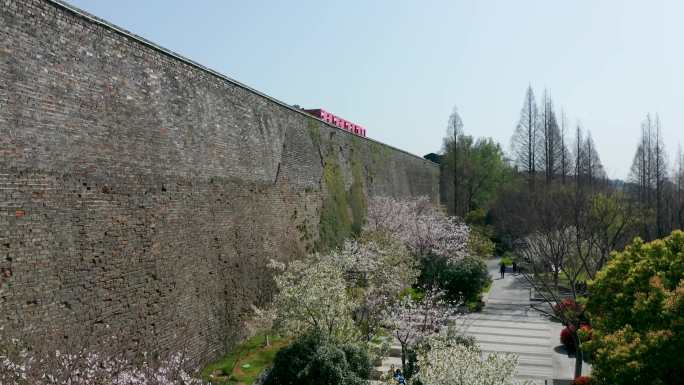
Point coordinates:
pixel 345 291
pixel 455 364
pixel 421 226
pixel 312 296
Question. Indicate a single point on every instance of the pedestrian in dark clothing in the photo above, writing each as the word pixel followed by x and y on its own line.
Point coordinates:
pixel 515 267
pixel 502 269
pixel 399 378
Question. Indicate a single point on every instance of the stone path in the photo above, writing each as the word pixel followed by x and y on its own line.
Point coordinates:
pixel 508 325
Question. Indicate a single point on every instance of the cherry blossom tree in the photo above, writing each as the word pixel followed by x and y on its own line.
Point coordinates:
pixel 22 366
pixel 420 225
pixel 412 321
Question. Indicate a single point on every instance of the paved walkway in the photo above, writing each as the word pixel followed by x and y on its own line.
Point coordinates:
pixel 508 325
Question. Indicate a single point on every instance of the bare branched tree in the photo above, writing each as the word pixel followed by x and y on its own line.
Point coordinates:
pixel 524 142
pixel 649 176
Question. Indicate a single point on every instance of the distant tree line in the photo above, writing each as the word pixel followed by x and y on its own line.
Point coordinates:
pixel 555 170
pixel 552 205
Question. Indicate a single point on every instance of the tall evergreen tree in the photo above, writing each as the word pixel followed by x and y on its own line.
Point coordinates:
pixel 565 154
pixel 678 206
pixel 648 176
pixel 453 158
pixel 524 141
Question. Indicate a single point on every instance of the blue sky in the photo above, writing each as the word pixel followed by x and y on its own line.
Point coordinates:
pixel 398 67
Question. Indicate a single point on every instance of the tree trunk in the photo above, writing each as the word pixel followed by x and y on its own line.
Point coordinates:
pixel 403 359
pixel 578 355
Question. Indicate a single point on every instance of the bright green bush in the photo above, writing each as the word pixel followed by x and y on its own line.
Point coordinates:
pixel 479 244
pixel 313 359
pixel 637 314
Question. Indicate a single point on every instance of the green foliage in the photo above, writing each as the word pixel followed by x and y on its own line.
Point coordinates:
pixel 336 221
pixel 463 281
pixel 343 212
pixel 509 257
pixel 313 360
pixel 417 294
pixel 637 311
pixel 314 132
pixel 380 153
pixel 253 352
pixel 507 261
pixel 476 217
pixel 479 243
pixel 475 305
pixel 479 169
pixel 357 197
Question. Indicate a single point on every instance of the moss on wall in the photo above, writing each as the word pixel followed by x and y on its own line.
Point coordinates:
pixel 336 221
pixel 380 154
pixel 314 132
pixel 343 213
pixel 357 197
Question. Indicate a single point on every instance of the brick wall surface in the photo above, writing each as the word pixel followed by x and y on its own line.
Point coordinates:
pixel 142 196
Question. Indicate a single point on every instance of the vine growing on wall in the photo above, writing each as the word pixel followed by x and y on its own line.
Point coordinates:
pixel 357 197
pixel 344 211
pixel 336 221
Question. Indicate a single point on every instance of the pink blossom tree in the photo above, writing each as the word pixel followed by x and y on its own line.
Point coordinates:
pixel 420 225
pixel 412 321
pixel 22 366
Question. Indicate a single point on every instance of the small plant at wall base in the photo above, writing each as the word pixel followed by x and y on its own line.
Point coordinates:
pixel 246 362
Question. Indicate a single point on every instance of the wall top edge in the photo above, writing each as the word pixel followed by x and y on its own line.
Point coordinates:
pixel 123 32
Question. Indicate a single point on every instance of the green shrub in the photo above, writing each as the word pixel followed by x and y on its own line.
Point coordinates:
pixel 509 258
pixel 463 281
pixel 417 294
pixel 479 244
pixel 313 359
pixel 637 312
pixel 475 306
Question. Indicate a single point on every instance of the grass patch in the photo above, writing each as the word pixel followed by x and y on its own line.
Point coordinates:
pixel 244 364
pixel 486 287
pixel 417 294
pixel 508 261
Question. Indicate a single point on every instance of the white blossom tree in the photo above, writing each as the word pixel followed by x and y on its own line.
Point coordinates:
pixel 457 364
pixel 312 295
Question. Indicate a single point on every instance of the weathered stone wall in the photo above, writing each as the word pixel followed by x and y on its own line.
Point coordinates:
pixel 142 195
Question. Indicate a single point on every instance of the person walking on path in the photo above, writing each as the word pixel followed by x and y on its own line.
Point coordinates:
pixel 515 267
pixel 502 269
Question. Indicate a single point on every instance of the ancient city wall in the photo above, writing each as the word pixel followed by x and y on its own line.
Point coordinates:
pixel 142 195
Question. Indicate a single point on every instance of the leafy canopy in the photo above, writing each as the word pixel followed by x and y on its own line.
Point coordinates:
pixel 637 308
